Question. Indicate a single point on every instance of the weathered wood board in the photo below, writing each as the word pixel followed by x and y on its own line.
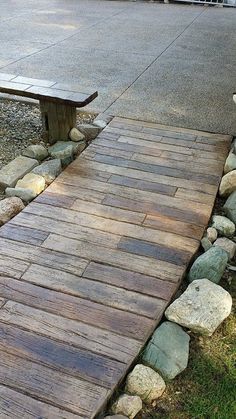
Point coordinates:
pixel 88 268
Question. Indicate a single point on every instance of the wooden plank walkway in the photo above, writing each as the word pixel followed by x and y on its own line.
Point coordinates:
pixel 87 269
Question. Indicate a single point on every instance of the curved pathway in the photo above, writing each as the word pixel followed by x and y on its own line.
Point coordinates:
pixel 88 268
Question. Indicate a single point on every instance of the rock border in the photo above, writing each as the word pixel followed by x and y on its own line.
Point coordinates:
pixel 29 174
pixel 200 309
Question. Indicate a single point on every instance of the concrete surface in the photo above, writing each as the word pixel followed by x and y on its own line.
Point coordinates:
pixel 173 64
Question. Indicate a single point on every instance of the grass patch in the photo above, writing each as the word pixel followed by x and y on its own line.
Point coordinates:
pixel 207 388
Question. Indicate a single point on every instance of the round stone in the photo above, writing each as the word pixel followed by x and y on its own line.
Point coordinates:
pixel 146 383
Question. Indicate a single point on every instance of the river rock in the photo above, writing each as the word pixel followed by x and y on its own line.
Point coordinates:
pixel 210 265
pixel 89 131
pixel 9 207
pixel 49 170
pixel 146 383
pixel 223 225
pixel 230 207
pixel 127 405
pixel 15 170
pixel 228 184
pixel 76 135
pixel 211 234
pixel 35 183
pixel 26 195
pixel 64 150
pixel 228 245
pixel 36 151
pixel 230 163
pixel 206 244
pixel 168 350
pixel 201 308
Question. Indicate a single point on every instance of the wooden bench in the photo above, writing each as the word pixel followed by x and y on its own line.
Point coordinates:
pixel 58 103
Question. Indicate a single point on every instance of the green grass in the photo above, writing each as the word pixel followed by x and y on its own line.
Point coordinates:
pixel 207 388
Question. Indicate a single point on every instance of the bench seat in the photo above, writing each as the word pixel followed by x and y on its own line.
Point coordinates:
pixel 58 102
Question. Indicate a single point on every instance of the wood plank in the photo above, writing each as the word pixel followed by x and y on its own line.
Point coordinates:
pixel 170 145
pixel 59 356
pixel 113 226
pixel 143 185
pixel 193 166
pixel 209 135
pixel 158 169
pixel 74 191
pixel 130 280
pixel 195 196
pixel 93 290
pixel 73 332
pixel 32 254
pixel 156 209
pixel 166 223
pixel 51 386
pixel 141 264
pixel 9 266
pixel 15 405
pixel 74 231
pixel 55 199
pixel 106 211
pixel 130 193
pixel 94 148
pixel 24 234
pixel 159 252
pixel 152 177
pixel 103 142
pixel 75 308
pixel 2 302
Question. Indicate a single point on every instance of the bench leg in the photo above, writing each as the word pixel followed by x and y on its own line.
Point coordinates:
pixel 58 119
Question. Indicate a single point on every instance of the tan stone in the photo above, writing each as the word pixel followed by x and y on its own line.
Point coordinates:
pixel 9 207
pixel 146 383
pixel 35 183
pixel 127 405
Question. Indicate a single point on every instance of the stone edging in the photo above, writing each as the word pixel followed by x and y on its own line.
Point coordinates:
pixel 29 174
pixel 201 308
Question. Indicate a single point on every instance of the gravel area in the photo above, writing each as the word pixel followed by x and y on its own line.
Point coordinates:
pixel 20 126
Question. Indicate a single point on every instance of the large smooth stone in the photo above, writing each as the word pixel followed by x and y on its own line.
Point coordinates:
pixel 35 183
pixel 64 150
pixel 127 405
pixel 228 184
pixel 15 170
pixel 26 195
pixel 168 350
pixel 36 151
pixel 9 207
pixel 76 135
pixel 223 225
pixel 210 265
pixel 230 207
pixel 201 308
pixel 230 163
pixel 228 245
pixel 146 383
pixel 49 170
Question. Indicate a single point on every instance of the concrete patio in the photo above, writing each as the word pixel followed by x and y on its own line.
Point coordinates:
pixel 171 64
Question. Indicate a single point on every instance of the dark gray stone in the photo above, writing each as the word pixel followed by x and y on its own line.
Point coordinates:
pixel 36 151
pixel 49 170
pixel 210 265
pixel 168 350
pixel 90 131
pixel 64 150
pixel 230 207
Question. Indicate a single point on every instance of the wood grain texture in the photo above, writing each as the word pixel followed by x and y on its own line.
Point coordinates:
pixel 15 405
pixel 75 308
pixel 73 332
pixel 63 390
pixel 88 268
